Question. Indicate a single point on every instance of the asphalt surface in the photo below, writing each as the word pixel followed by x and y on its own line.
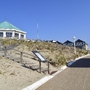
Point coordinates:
pixel 74 77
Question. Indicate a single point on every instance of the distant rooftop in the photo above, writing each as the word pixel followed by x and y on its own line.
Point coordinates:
pixel 6 25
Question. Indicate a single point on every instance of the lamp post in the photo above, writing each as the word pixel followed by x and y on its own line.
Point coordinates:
pixel 74 39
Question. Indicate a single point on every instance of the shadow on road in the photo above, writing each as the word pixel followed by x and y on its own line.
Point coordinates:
pixel 81 63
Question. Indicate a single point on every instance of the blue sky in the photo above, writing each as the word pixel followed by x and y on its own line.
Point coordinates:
pixel 57 19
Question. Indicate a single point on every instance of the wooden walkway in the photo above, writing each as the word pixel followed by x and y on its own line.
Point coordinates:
pixel 75 77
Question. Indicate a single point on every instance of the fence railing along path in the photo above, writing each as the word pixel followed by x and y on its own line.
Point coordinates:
pixel 27 60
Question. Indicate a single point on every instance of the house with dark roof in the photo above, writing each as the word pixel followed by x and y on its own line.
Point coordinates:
pixel 78 43
pixel 81 44
pixel 8 30
pixel 68 43
pixel 53 41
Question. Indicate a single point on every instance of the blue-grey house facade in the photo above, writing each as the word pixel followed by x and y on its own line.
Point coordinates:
pixel 78 43
pixel 81 44
pixel 68 43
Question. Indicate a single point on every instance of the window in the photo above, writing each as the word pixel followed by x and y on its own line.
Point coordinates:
pixel 1 34
pixel 8 34
pixel 17 35
pixel 22 36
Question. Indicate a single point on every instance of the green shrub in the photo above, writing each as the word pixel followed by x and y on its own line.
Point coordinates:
pixel 60 60
pixel 0 72
pixel 86 52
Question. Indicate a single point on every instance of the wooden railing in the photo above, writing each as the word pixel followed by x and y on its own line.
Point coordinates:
pixel 20 56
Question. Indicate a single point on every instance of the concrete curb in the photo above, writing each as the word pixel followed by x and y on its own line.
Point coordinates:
pixel 38 83
pixel 46 78
pixel 43 80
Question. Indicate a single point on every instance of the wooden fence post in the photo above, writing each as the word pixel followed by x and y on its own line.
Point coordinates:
pixel 48 68
pixel 5 51
pixel 40 66
pixel 21 54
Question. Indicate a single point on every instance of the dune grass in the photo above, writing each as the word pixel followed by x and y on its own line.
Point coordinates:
pixel 58 54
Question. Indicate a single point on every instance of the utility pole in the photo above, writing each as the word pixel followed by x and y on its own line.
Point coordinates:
pixel 74 39
pixel 37 32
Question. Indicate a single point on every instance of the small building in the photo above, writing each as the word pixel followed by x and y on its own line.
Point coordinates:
pixel 68 43
pixel 53 41
pixel 81 44
pixel 8 30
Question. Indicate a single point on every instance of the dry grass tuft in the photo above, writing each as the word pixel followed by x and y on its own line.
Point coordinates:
pixel 58 54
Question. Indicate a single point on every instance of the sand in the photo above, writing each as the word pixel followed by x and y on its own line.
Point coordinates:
pixel 13 76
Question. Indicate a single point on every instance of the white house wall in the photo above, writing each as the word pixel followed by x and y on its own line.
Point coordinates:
pixel 13 34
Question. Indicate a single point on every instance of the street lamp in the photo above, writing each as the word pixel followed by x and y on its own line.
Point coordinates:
pixel 74 39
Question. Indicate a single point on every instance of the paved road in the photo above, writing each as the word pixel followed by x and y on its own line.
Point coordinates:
pixel 75 77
